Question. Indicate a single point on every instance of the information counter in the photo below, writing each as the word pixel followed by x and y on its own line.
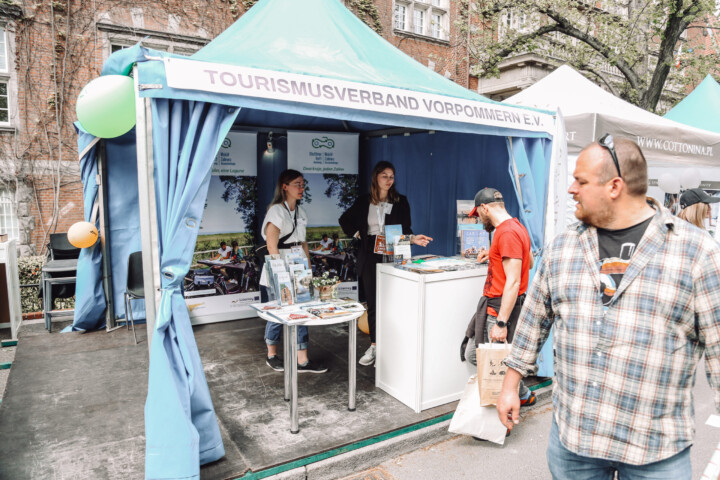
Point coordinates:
pixel 421 322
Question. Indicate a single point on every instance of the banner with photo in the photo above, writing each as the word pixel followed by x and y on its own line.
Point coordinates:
pixel 329 164
pixel 222 279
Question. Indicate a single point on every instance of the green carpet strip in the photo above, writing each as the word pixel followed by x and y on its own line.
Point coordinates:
pixel 338 451
pixel 8 343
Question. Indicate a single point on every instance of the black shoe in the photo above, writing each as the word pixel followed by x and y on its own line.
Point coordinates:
pixel 275 363
pixel 311 367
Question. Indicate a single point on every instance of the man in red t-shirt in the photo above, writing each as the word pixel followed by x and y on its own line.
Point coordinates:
pixel 510 261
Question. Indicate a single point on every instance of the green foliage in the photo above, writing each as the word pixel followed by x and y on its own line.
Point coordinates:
pixel 637 42
pixel 29 270
pixel 367 12
pixel 343 187
pixel 243 191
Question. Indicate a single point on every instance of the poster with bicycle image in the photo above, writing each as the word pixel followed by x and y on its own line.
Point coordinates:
pixel 329 164
pixel 223 279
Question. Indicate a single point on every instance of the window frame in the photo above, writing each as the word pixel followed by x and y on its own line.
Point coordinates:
pixel 429 28
pixel 7 204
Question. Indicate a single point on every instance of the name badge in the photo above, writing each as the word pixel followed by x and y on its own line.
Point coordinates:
pixel 297 249
pixel 380 245
pixel 388 208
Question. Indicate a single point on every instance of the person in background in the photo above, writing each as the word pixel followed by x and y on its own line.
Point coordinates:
pixel 695 205
pixel 223 253
pixel 368 216
pixel 325 242
pixel 236 253
pixel 285 227
pixel 631 293
pixel 336 245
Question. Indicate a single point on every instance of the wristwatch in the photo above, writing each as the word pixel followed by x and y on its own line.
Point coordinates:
pixel 501 324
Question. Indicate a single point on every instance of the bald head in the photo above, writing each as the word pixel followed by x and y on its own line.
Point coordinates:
pixel 632 166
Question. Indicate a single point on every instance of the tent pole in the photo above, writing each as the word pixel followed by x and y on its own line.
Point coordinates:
pixel 148 211
pixel 105 237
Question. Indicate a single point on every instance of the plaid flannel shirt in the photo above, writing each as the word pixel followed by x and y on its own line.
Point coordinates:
pixel 624 375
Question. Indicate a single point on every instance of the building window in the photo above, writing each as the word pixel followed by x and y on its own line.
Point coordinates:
pixel 400 16
pixel 8 221
pixel 4 102
pixel 3 50
pixel 429 18
pixel 419 21
pixel 435 25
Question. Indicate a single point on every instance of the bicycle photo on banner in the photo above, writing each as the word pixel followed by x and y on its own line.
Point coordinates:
pixel 329 164
pixel 223 278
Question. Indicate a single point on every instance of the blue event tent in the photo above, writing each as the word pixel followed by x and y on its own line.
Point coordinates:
pixel 701 108
pixel 313 66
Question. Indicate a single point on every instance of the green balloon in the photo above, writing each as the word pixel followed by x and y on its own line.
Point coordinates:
pixel 106 106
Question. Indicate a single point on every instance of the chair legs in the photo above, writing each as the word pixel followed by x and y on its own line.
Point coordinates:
pixel 128 316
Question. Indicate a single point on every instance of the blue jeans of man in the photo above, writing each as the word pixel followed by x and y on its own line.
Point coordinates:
pixel 566 465
pixel 274 330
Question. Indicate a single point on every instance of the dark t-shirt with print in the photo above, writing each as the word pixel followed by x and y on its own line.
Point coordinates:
pixel 616 250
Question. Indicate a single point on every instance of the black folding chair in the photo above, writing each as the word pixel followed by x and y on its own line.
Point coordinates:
pixel 58 274
pixel 134 288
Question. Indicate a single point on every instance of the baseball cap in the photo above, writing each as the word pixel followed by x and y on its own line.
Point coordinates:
pixel 696 195
pixel 485 196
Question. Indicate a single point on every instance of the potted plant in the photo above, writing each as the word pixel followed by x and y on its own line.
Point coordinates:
pixel 326 285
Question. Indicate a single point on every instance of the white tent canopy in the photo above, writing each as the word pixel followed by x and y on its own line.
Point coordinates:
pixel 590 112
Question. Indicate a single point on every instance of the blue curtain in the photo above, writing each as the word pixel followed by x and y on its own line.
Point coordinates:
pixel 532 160
pixel 89 296
pixel 181 428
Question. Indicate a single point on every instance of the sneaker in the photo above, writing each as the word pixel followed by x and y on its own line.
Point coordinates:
pixel 369 357
pixel 311 367
pixel 530 401
pixel 275 363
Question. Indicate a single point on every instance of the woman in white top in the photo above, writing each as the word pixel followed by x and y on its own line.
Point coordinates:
pixel 283 228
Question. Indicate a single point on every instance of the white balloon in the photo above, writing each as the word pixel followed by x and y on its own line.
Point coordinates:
pixel 669 183
pixel 690 178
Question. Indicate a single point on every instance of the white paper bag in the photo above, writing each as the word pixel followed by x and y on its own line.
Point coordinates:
pixel 472 419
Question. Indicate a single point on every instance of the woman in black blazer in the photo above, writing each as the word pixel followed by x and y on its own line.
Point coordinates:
pixel 368 217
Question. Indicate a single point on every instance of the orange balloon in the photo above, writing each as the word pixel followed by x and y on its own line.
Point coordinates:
pixel 82 235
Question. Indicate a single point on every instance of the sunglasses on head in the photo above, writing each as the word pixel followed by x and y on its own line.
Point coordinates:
pixel 606 141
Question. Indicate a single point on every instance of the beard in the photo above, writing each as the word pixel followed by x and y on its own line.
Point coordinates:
pixel 489 227
pixel 599 218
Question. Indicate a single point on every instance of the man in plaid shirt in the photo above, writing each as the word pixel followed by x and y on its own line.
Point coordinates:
pixel 634 295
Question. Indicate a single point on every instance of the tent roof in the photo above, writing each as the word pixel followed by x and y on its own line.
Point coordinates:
pixel 701 108
pixel 324 39
pixel 571 92
pixel 590 111
pixel 316 59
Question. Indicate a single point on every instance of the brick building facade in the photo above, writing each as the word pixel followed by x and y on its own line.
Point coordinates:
pixel 52 49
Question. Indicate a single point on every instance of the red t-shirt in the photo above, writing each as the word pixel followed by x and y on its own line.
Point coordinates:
pixel 511 240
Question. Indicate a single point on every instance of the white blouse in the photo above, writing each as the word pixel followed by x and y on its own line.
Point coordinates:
pixel 375 214
pixel 280 216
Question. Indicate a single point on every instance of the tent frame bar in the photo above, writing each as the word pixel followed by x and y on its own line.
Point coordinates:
pixel 148 208
pixel 385 132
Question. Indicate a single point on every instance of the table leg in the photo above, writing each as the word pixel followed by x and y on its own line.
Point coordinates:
pixel 294 427
pixel 352 363
pixel 286 360
pixel 47 299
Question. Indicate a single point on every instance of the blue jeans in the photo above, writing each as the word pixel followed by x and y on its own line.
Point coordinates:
pixel 274 330
pixel 566 465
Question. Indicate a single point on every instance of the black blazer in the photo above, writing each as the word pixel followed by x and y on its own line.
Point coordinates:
pixel 355 219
